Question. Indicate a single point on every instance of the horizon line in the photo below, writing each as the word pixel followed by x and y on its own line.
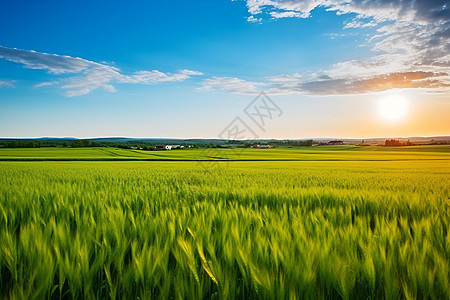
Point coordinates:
pixel 217 138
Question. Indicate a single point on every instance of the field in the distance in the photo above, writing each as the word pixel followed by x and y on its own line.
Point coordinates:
pixel 332 222
pixel 325 153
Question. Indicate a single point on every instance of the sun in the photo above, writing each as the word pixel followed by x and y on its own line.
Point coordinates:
pixel 393 107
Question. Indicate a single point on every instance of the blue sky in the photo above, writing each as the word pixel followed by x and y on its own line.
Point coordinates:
pixel 188 68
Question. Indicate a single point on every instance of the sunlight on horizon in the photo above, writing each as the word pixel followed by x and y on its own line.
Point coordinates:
pixel 393 107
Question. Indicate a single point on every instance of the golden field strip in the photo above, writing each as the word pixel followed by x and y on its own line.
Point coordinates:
pixel 328 223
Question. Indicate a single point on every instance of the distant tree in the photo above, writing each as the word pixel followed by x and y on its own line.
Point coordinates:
pixel 393 143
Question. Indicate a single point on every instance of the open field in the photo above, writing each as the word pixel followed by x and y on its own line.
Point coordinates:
pixel 331 222
pixel 325 153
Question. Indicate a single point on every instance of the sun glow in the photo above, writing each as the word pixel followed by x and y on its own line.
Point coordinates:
pixel 393 107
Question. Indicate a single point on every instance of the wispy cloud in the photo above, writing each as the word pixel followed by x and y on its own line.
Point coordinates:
pixel 325 85
pixel 380 10
pixel 412 39
pixel 230 84
pixel 84 76
pixel 359 24
pixel 45 83
pixel 314 84
pixel 6 83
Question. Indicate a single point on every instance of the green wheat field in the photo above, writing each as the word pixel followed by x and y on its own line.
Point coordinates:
pixel 341 222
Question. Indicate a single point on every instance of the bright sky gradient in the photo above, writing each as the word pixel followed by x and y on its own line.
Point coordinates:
pixel 186 69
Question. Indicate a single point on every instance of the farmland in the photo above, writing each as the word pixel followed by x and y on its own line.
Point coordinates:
pixel 326 153
pixel 338 222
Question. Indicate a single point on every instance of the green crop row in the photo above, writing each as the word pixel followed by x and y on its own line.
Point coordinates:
pixel 261 230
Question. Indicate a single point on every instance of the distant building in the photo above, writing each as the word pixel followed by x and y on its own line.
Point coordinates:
pixel 335 143
pixel 261 146
pixel 163 147
pixel 175 147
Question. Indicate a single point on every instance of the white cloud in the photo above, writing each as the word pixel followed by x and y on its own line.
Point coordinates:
pixel 380 10
pixel 190 73
pixel 84 75
pixel 283 8
pixel 315 84
pixel 326 85
pixel 230 84
pixel 256 6
pixel 155 76
pixel 286 14
pixel 252 19
pixel 55 64
pixel 90 80
pixel 285 78
pixel 360 24
pixel 413 38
